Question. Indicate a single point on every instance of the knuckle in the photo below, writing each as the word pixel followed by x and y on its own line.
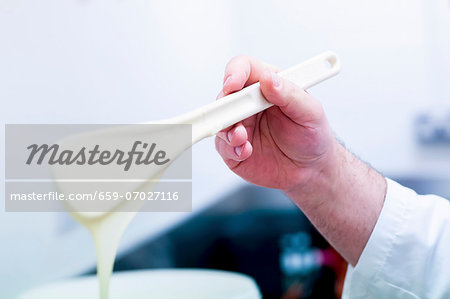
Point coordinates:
pixel 240 57
pixel 217 144
pixel 236 60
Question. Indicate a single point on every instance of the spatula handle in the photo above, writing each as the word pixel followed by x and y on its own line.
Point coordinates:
pixel 210 119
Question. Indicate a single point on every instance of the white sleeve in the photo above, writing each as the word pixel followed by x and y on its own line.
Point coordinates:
pixel 408 253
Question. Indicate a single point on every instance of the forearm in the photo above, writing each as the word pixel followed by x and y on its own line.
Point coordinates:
pixel 343 201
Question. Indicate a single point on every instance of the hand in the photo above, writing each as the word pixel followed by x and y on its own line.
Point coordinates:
pixel 291 147
pixel 285 146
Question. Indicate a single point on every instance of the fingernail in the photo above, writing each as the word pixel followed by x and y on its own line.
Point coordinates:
pixel 229 135
pixel 238 150
pixel 276 80
pixel 227 79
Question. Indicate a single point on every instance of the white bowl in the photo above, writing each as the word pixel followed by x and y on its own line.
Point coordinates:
pixel 160 284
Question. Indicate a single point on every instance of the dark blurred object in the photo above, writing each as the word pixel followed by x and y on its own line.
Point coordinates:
pixel 255 231
pixel 261 233
pixel 432 128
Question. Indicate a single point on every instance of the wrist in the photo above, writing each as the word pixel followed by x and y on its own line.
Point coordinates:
pixel 323 178
pixel 339 176
pixel 343 200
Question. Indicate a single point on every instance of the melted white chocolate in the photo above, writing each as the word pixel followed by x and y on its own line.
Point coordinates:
pixel 106 232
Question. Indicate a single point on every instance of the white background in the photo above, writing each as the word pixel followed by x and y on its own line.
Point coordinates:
pixel 87 61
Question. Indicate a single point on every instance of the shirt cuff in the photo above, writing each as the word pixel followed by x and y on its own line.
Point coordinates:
pixel 390 224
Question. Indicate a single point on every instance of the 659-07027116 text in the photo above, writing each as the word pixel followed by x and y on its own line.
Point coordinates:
pixel 97 195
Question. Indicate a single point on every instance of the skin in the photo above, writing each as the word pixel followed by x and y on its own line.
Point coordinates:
pixel 291 147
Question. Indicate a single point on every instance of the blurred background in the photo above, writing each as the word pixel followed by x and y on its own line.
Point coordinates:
pixel 98 61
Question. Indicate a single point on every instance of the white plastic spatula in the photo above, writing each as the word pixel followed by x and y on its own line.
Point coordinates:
pixel 210 119
pixel 205 121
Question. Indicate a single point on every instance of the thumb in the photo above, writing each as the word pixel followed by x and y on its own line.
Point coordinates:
pixel 293 101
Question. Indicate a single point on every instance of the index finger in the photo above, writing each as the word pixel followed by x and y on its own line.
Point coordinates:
pixel 242 71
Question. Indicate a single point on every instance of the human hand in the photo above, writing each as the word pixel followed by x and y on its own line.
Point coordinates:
pixel 291 147
pixel 286 146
